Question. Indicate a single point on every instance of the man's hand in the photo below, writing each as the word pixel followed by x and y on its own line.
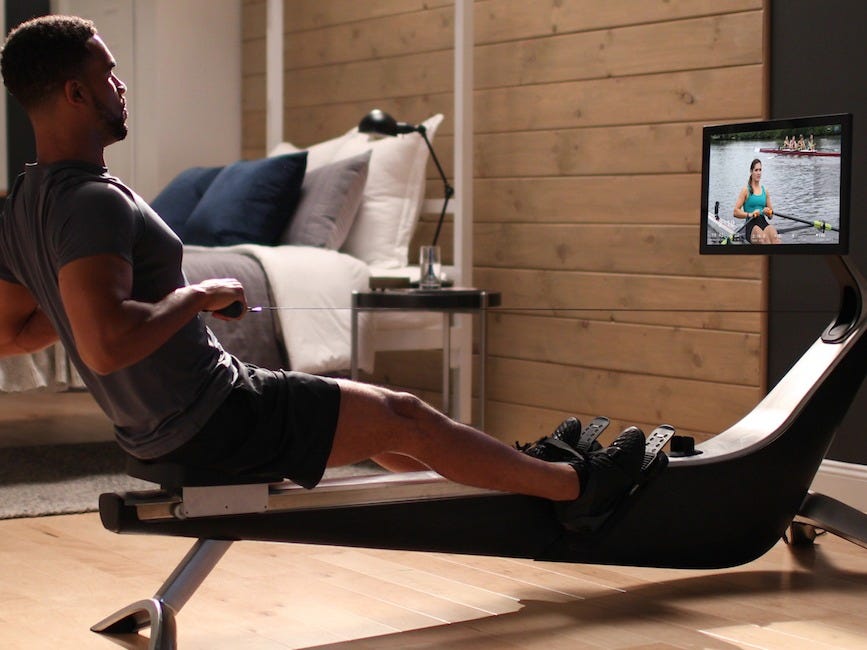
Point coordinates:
pixel 223 292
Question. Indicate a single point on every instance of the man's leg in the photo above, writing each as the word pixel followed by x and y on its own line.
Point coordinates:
pixel 376 422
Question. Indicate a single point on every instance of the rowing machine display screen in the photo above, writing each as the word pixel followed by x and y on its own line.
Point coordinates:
pixel 780 186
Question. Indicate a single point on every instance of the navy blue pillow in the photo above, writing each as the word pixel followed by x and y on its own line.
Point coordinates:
pixel 179 198
pixel 249 202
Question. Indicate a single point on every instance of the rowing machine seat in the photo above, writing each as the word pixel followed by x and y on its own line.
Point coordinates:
pixel 172 477
pixel 195 491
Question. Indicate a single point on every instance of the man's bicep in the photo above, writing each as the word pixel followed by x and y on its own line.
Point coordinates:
pixel 93 290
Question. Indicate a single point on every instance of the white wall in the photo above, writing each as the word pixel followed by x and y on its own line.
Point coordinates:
pixel 181 61
pixel 188 62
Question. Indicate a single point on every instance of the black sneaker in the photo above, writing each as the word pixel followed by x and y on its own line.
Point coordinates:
pixel 606 477
pixel 560 446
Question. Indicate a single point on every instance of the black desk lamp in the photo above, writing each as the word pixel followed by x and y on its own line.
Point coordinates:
pixel 381 123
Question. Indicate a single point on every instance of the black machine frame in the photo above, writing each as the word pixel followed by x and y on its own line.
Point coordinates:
pixel 725 505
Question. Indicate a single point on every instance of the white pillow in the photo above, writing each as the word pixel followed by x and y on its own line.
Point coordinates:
pixel 318 155
pixel 393 193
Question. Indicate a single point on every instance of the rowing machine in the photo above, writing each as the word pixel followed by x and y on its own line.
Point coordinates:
pixel 725 504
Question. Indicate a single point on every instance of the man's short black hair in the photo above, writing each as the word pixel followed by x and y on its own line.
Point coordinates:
pixel 42 54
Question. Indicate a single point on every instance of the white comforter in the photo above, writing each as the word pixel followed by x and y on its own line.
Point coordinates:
pixel 313 287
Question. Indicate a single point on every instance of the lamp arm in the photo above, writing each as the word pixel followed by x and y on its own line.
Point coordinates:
pixel 449 190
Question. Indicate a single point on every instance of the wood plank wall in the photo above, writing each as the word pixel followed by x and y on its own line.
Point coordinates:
pixel 588 121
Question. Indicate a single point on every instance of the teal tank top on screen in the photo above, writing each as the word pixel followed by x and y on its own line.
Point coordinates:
pixel 755 201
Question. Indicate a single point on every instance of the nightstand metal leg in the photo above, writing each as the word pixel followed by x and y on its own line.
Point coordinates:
pixel 353 347
pixel 447 362
pixel 483 355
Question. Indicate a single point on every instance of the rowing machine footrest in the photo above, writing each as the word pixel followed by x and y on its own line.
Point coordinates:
pixel 172 477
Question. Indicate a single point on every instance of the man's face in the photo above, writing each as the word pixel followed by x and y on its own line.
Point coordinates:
pixel 106 90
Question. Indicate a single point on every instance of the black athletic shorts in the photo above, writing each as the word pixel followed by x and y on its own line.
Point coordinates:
pixel 759 221
pixel 274 422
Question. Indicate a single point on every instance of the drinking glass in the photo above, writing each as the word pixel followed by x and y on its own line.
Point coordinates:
pixel 430 261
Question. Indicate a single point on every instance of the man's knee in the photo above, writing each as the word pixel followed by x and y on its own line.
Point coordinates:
pixel 398 416
pixel 407 406
pixel 416 424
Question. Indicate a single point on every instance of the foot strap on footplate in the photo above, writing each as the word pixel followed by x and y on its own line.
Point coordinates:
pixel 654 462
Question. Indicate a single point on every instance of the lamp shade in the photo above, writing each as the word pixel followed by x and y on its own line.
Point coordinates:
pixel 381 123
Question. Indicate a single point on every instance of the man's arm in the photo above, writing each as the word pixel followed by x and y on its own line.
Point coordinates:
pixel 24 327
pixel 111 330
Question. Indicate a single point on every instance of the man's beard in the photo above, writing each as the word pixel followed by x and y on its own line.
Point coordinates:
pixel 115 124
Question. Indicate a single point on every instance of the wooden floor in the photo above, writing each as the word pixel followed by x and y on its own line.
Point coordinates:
pixel 59 575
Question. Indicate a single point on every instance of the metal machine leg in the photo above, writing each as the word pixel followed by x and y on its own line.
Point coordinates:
pixel 826 513
pixel 159 612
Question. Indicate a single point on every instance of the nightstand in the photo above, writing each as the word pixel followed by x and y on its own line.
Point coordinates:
pixel 446 301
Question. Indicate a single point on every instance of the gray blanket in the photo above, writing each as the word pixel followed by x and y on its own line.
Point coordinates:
pixel 255 338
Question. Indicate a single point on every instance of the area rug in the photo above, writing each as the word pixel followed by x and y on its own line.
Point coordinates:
pixel 60 479
pixel 65 479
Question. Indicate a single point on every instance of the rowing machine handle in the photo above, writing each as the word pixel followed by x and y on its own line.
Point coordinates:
pixel 232 311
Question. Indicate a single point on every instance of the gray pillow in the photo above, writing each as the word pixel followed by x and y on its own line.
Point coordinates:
pixel 330 198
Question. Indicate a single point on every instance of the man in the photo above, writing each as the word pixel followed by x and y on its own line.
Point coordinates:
pixel 85 260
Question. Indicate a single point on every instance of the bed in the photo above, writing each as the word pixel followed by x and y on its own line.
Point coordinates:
pixel 301 229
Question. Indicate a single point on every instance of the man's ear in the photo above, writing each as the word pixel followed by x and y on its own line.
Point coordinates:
pixel 74 92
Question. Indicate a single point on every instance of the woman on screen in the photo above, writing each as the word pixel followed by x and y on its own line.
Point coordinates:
pixel 754 205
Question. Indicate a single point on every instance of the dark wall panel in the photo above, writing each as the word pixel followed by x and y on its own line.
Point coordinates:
pixel 818 50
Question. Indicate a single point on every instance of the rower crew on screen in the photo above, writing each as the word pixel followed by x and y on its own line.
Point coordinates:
pixel 754 205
